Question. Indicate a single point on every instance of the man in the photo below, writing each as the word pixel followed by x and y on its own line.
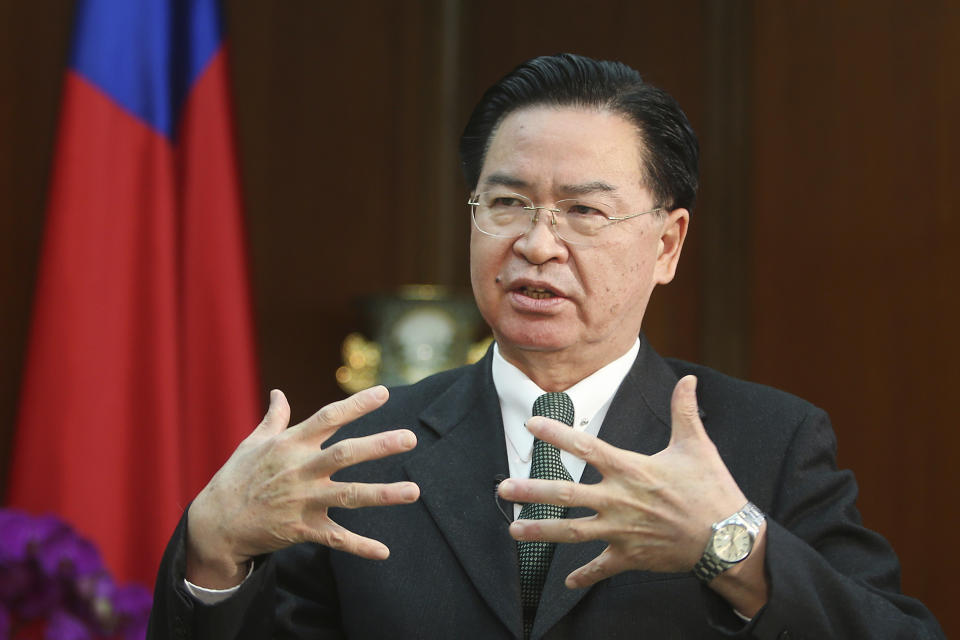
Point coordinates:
pixel 705 506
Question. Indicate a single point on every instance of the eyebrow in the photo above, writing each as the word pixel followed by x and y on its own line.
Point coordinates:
pixel 506 180
pixel 588 187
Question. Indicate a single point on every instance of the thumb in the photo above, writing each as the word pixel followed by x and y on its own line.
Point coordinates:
pixel 278 415
pixel 684 412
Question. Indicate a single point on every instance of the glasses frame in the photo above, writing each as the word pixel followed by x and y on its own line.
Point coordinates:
pixel 474 202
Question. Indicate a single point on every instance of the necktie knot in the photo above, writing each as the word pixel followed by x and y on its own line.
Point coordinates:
pixel 546 462
pixel 556 406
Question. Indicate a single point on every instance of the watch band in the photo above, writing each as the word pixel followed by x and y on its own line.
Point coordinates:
pixel 710 566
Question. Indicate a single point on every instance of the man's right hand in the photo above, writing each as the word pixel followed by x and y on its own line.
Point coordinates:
pixel 275 490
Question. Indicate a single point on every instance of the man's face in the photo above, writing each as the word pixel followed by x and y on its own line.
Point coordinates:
pixel 595 295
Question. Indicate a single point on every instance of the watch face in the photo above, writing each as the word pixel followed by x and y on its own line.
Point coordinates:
pixel 732 542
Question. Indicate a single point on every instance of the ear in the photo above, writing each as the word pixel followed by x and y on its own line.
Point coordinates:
pixel 672 235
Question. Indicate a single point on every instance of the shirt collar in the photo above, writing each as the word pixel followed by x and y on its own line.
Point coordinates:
pixel 517 393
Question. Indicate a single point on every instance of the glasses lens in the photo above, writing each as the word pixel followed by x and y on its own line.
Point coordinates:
pixel 580 221
pixel 502 213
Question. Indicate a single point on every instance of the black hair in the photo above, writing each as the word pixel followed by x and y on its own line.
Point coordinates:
pixel 670 150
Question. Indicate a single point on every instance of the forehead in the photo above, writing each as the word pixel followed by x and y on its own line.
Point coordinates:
pixel 557 148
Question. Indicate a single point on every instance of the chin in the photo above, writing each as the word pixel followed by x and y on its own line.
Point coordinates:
pixel 533 336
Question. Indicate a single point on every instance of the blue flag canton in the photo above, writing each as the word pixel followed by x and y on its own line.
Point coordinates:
pixel 146 54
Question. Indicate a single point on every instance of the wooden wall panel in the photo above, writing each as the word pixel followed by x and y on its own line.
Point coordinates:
pixel 339 122
pixel 33 51
pixel 854 259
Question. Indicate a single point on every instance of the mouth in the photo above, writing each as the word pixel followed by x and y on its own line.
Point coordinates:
pixel 537 293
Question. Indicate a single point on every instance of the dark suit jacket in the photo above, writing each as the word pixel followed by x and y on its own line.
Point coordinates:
pixel 453 570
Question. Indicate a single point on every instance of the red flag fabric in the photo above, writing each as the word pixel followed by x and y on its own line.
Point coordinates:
pixel 140 376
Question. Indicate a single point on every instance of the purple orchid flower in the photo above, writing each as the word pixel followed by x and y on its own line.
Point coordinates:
pixel 53 579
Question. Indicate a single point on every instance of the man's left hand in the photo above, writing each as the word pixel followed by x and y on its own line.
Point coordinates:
pixel 655 512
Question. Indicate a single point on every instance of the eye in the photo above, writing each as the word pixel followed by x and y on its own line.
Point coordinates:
pixel 506 202
pixel 586 210
pixel 583 210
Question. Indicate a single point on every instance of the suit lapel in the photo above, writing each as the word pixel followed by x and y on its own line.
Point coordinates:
pixel 638 420
pixel 457 477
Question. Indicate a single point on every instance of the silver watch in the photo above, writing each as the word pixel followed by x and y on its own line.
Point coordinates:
pixel 730 542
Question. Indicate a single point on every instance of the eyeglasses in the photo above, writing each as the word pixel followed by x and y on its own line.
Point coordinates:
pixel 503 214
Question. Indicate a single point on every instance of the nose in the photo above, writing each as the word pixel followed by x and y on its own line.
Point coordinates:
pixel 541 244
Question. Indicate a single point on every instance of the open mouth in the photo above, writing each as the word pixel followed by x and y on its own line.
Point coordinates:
pixel 538 293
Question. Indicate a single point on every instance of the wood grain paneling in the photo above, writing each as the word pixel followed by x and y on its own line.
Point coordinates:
pixel 347 172
pixel 855 265
pixel 33 51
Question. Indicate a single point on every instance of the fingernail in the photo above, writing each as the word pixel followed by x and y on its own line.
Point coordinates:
pixel 407 440
pixel 409 493
pixel 379 392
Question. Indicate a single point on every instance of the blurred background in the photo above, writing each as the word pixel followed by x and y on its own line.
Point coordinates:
pixel 822 254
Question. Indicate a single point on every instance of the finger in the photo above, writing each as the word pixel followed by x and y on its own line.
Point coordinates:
pixel 355 450
pixel 600 568
pixel 559 492
pixel 277 416
pixel 327 420
pixel 338 537
pixel 568 530
pixel 353 495
pixel 684 412
pixel 602 455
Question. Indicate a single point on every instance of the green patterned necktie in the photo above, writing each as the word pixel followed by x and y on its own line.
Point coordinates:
pixel 535 556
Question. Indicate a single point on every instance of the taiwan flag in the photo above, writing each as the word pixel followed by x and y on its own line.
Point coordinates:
pixel 140 376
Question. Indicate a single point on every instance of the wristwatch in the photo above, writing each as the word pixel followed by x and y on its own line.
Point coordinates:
pixel 731 542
